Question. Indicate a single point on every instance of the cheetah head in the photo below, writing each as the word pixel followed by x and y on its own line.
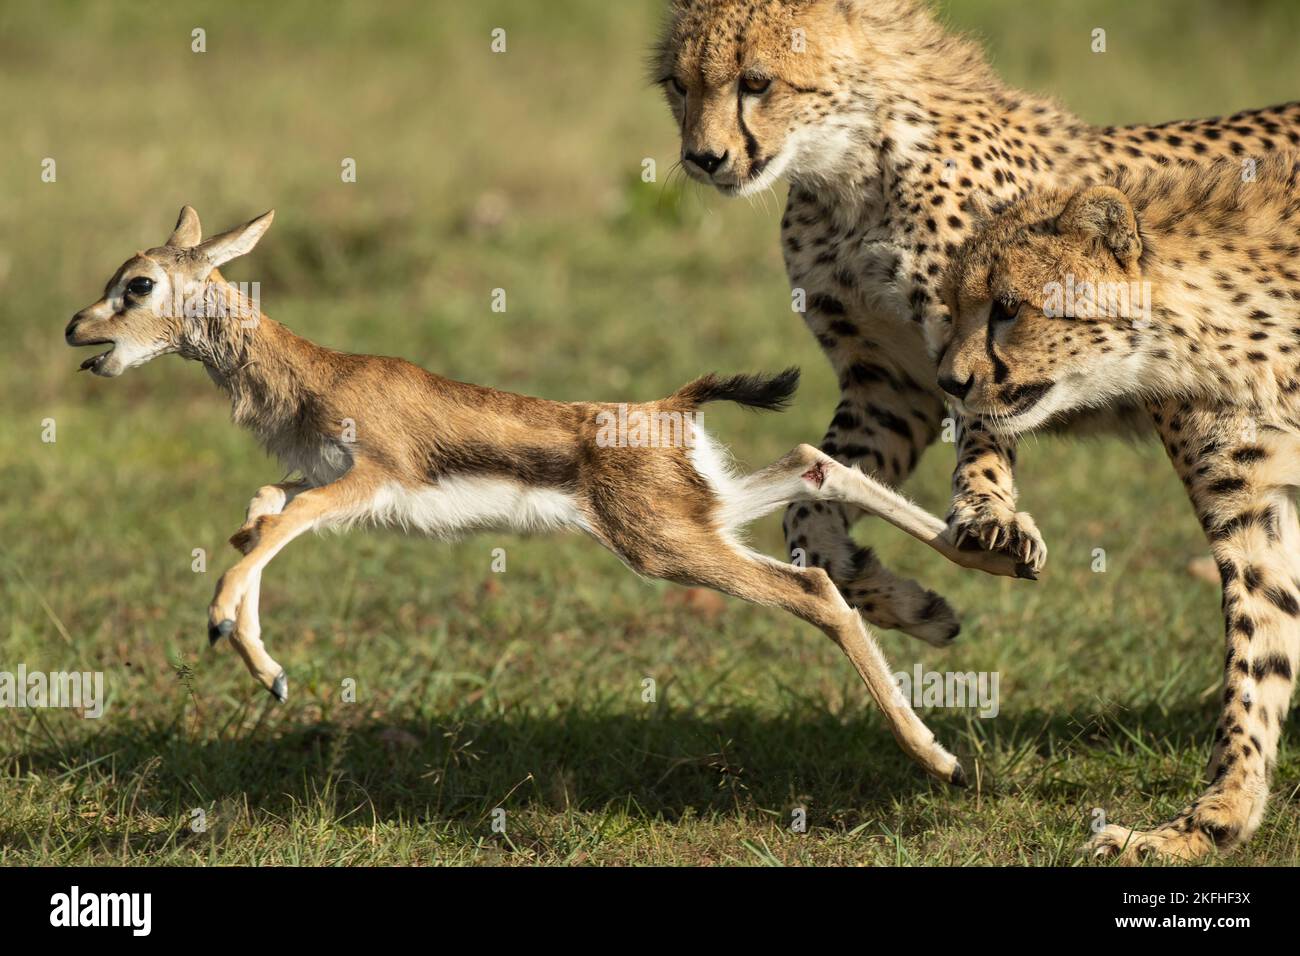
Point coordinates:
pixel 756 89
pixel 1049 310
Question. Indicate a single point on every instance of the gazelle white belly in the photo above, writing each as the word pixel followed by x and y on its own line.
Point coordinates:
pixel 464 503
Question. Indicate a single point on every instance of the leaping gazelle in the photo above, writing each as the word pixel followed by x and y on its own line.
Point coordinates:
pixel 380 440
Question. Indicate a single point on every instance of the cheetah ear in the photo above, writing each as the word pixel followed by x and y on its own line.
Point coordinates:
pixel 1103 212
pixel 982 205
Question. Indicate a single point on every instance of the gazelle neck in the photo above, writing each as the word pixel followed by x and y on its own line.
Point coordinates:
pixel 269 372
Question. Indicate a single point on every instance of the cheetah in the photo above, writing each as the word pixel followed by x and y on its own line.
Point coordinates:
pixel 883 123
pixel 1178 291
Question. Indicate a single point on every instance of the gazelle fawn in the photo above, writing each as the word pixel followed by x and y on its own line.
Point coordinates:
pixel 383 441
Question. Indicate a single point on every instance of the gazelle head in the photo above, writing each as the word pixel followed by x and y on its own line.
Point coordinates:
pixel 160 300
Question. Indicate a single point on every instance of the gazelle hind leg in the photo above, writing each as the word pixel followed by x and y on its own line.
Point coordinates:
pixel 822 534
pixel 809 594
pixel 811 475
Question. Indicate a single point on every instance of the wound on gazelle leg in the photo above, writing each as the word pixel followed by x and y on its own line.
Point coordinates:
pixel 816 474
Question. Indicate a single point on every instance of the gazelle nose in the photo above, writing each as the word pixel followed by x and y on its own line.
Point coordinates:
pixel 709 162
pixel 956 389
pixel 72 328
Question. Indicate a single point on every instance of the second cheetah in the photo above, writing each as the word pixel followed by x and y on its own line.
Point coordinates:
pixel 1178 290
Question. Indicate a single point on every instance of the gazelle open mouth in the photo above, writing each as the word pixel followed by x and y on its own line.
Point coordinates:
pixel 95 361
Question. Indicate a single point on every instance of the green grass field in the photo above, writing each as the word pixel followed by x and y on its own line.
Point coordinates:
pixel 523 690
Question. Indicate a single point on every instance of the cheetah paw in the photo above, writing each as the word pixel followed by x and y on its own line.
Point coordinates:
pixel 992 527
pixel 1134 846
pixel 1216 821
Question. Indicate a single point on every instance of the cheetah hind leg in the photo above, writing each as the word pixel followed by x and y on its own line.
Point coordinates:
pixel 925 614
pixel 818 533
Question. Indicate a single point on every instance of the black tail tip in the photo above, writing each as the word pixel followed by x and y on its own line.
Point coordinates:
pixel 785 383
pixel 768 392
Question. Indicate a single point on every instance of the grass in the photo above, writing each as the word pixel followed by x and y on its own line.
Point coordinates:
pixel 522 691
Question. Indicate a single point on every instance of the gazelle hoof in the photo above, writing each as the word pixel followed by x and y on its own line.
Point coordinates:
pixel 280 687
pixel 958 778
pixel 217 631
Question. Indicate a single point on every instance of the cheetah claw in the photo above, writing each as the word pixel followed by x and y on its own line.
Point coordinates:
pixel 986 528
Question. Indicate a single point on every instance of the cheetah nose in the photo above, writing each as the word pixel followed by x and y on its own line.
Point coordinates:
pixel 709 162
pixel 958 390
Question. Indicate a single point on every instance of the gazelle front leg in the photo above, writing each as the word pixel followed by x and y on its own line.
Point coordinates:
pixel 234 605
pixel 246 633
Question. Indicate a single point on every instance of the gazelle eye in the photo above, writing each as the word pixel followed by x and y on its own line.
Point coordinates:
pixel 1004 310
pixel 140 286
pixel 678 86
pixel 755 84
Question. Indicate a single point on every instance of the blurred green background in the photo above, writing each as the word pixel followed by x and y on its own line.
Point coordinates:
pixel 522 171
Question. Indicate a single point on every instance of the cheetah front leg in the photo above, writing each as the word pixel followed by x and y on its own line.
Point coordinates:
pixel 983 511
pixel 884 422
pixel 1237 476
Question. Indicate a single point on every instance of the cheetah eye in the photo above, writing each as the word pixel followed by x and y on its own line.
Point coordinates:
pixel 755 85
pixel 678 86
pixel 1004 310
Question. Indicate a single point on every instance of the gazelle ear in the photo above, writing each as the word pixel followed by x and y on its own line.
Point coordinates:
pixel 236 242
pixel 1104 213
pixel 188 232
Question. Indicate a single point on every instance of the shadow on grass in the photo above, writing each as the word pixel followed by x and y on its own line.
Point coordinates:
pixel 458 768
